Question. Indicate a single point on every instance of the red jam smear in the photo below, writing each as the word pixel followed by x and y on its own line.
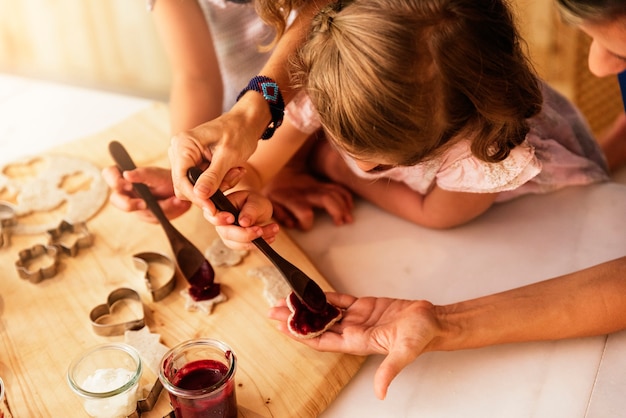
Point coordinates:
pixel 304 321
pixel 202 374
pixel 204 287
pixel 207 293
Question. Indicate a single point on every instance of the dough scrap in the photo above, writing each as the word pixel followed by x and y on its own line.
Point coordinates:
pixel 149 347
pixel 276 288
pixel 44 192
pixel 219 254
pixel 205 306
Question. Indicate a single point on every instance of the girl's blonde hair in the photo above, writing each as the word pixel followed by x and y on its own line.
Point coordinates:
pixel 275 13
pixel 401 78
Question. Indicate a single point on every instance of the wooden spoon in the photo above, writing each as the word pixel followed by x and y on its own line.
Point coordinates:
pixel 193 265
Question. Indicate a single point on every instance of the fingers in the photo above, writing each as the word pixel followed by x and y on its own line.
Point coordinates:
pixel 232 177
pixel 222 142
pixel 113 177
pixel 174 207
pixel 122 195
pixel 341 300
pixel 256 209
pixel 158 181
pixel 239 238
pixel 337 201
pixel 126 202
pixel 294 214
pixel 294 207
pixel 255 212
pixel 284 216
pixel 280 312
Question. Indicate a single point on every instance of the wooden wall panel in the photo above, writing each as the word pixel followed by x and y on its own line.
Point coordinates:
pixel 109 44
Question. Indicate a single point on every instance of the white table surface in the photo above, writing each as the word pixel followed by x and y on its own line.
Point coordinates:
pixel 527 240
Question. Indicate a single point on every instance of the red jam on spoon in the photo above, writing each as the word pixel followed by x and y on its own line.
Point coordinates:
pixel 204 287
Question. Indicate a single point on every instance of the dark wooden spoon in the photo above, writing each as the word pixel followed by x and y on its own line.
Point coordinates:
pixel 192 264
pixel 305 288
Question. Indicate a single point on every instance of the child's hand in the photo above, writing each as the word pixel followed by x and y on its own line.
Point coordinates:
pixel 255 213
pixel 158 180
pixel 295 196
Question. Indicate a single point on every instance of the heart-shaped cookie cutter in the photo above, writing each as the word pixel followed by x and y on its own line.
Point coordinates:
pixel 81 237
pixel 105 309
pixel 8 219
pixel 28 257
pixel 143 261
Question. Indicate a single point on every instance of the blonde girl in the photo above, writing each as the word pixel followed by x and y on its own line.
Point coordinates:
pixel 434 111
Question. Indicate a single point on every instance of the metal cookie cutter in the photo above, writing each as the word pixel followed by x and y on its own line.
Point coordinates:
pixel 29 265
pixel 156 269
pixel 109 329
pixel 146 404
pixel 8 220
pixel 70 237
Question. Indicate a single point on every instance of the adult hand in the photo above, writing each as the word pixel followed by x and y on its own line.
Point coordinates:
pixel 158 180
pixel 295 195
pixel 226 143
pixel 401 329
pixel 255 212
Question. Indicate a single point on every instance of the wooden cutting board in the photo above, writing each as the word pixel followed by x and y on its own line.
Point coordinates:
pixel 44 326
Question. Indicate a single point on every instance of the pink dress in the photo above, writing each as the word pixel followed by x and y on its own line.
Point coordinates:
pixel 559 151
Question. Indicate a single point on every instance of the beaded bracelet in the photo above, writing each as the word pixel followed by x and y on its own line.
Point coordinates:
pixel 269 89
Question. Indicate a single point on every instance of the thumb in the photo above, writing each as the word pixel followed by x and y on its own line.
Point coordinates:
pixel 209 181
pixel 390 367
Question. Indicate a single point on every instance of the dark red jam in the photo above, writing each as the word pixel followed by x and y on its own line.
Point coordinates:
pixel 202 283
pixel 202 374
pixel 305 321
pixel 207 293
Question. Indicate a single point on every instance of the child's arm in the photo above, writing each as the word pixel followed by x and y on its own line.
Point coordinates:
pixel 437 209
pixel 272 155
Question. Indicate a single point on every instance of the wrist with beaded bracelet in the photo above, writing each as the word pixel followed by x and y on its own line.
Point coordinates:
pixel 272 95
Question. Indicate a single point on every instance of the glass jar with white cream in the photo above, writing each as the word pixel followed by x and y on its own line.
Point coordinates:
pixel 106 377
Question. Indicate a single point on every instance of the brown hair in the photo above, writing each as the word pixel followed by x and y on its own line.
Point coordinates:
pixel 401 78
pixel 598 11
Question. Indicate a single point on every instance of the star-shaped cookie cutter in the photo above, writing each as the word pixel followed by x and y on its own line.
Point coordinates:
pixel 29 264
pixel 8 219
pixel 146 404
pixel 166 274
pixel 69 237
pixel 118 328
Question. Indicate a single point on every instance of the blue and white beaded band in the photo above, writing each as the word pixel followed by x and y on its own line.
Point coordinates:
pixel 271 93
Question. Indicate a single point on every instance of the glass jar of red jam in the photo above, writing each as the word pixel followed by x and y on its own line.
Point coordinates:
pixel 199 376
